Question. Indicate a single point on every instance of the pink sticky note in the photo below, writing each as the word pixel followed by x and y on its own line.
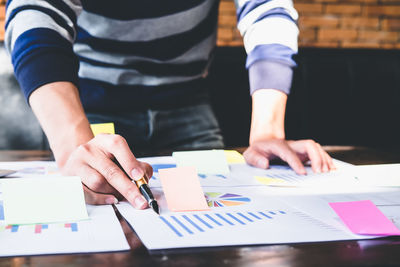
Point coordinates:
pixel 182 189
pixel 364 218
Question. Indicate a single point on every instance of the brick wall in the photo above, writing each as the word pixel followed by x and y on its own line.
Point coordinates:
pixel 2 14
pixel 332 23
pixel 323 23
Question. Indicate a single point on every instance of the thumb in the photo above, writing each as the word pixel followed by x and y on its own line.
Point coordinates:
pixel 255 158
pixel 94 198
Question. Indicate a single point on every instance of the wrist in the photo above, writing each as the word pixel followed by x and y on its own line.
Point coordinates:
pixel 268 115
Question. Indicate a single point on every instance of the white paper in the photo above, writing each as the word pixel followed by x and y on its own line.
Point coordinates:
pixel 258 220
pixel 102 233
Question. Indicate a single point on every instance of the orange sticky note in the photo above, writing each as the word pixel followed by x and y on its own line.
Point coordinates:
pixel 182 189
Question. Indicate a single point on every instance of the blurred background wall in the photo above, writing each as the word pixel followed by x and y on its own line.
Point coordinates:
pixel 346 88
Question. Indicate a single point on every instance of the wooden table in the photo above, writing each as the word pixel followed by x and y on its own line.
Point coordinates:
pixel 382 252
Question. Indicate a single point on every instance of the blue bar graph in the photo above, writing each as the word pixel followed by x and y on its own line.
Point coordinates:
pixel 265 215
pixel 171 226
pixel 223 218
pixel 203 221
pixel 192 224
pixel 213 220
pixel 74 227
pixel 1 211
pixel 182 225
pixel 255 216
pixel 236 219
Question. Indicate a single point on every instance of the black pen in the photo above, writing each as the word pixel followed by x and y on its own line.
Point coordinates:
pixel 145 190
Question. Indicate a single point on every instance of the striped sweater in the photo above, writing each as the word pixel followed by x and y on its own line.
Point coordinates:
pixel 136 54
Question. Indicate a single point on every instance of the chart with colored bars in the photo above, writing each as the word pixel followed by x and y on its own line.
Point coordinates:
pixel 190 224
pixel 215 199
pixel 36 228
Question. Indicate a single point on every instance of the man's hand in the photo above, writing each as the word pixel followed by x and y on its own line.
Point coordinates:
pixel 295 153
pixel 102 177
pixel 267 137
pixel 60 113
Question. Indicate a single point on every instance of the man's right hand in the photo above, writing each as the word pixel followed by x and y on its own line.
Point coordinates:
pixel 59 110
pixel 103 179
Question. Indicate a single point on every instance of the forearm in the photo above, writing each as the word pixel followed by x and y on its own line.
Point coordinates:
pixel 60 113
pixel 268 115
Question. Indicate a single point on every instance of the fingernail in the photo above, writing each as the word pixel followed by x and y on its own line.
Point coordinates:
pixel 262 163
pixel 111 200
pixel 137 174
pixel 139 202
pixel 325 169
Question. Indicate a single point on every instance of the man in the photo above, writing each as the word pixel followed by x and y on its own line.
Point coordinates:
pixel 142 65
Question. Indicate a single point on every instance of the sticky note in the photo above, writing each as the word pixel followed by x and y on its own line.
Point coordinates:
pixel 270 180
pixel 364 218
pixel 98 128
pixel 234 157
pixel 182 189
pixel 43 200
pixel 205 161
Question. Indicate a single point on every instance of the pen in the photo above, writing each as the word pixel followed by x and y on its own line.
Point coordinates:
pixel 145 190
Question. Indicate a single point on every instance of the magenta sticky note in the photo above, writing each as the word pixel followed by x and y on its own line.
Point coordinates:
pixel 364 218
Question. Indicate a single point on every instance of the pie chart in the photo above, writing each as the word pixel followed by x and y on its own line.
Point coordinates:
pixel 215 199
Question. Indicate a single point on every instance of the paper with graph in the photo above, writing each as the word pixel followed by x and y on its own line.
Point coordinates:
pixel 238 216
pixel 100 233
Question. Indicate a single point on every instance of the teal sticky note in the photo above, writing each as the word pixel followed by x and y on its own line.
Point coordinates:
pixel 43 200
pixel 205 161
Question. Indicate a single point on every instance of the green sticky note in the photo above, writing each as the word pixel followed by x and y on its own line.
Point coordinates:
pixel 205 161
pixel 43 200
pixel 106 128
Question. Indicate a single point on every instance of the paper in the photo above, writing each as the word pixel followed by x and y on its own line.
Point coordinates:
pixel 380 175
pixel 234 157
pixel 4 173
pixel 182 189
pixel 107 128
pixel 43 200
pixel 363 217
pixel 206 161
pixel 102 233
pixel 238 216
pixel 270 181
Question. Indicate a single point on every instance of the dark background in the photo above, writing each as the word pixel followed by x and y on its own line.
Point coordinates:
pixel 338 96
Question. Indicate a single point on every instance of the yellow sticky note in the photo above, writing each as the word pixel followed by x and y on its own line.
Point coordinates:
pixel 232 156
pixel 98 128
pixel 43 200
pixel 270 180
pixel 182 189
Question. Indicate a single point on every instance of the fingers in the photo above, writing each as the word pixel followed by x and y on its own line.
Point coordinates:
pixel 259 153
pixel 118 147
pixel 287 154
pixel 320 160
pixel 256 159
pixel 94 198
pixel 94 180
pixel 117 179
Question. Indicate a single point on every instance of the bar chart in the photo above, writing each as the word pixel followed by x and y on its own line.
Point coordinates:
pixel 191 224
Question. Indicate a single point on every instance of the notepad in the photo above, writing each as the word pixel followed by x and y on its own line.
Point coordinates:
pixel 364 218
pixel 182 189
pixel 43 200
pixel 205 161
pixel 98 128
